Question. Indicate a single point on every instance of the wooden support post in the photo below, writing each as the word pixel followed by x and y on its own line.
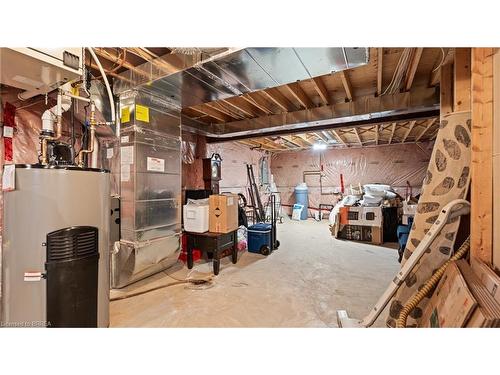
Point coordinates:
pixel 461 80
pixel 446 89
pixel 482 155
pixel 496 160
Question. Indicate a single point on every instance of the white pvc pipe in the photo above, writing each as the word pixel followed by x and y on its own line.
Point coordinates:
pixel 108 87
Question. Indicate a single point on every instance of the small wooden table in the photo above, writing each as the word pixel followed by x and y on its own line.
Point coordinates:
pixel 216 245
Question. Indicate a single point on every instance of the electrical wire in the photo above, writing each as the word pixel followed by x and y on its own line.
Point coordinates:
pixel 442 60
pixel 189 281
pixel 198 283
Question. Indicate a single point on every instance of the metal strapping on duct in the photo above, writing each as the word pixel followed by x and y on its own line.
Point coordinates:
pixel 240 71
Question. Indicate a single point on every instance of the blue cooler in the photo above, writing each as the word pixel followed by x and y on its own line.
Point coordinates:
pixel 259 238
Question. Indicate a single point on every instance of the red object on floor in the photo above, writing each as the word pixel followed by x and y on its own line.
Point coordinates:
pixel 183 254
pixel 196 255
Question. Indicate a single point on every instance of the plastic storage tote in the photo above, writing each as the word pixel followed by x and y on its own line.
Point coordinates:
pixel 195 218
pixel 259 238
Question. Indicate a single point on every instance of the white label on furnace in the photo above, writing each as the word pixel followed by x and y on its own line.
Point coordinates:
pixel 109 153
pixel 9 177
pixel 230 201
pixel 127 154
pixel 124 139
pixel 156 165
pixel 8 131
pixel 125 173
pixel 32 276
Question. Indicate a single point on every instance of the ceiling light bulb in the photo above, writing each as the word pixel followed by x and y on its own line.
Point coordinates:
pixel 319 146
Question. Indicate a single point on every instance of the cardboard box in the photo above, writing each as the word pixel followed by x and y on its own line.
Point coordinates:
pixel 223 213
pixel 488 277
pixel 488 310
pixel 361 233
pixel 452 303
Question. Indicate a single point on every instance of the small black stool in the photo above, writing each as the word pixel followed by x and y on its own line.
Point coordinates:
pixel 216 245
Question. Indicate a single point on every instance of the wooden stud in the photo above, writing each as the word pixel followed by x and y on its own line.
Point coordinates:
pixel 461 75
pixel 410 128
pixel 376 134
pixel 347 85
pixel 321 90
pixel 482 154
pixel 393 130
pixel 417 54
pixel 380 59
pixel 300 95
pixel 446 89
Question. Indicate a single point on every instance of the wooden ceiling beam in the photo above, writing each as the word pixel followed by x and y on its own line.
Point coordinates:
pixel 347 85
pixel 417 54
pixel 220 108
pixel 380 60
pixel 308 119
pixel 300 95
pixel 101 52
pixel 279 99
pixel 321 90
pixel 243 107
pixel 427 127
pixel 408 131
pixel 393 130
pixel 211 112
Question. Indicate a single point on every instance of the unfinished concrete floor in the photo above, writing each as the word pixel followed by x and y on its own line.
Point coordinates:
pixel 300 285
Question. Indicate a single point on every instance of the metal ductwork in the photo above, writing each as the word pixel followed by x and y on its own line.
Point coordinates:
pixel 240 71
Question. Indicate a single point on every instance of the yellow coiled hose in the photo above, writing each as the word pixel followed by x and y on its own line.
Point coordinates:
pixel 419 296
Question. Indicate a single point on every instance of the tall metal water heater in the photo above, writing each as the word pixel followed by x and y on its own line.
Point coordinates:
pixel 55 263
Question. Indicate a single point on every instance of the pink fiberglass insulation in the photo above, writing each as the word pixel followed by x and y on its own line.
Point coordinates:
pixel 235 156
pixel 391 164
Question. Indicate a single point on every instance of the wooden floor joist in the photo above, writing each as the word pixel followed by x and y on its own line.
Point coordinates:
pixel 417 54
pixel 347 85
pixel 300 95
pixel 321 90
pixel 380 60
